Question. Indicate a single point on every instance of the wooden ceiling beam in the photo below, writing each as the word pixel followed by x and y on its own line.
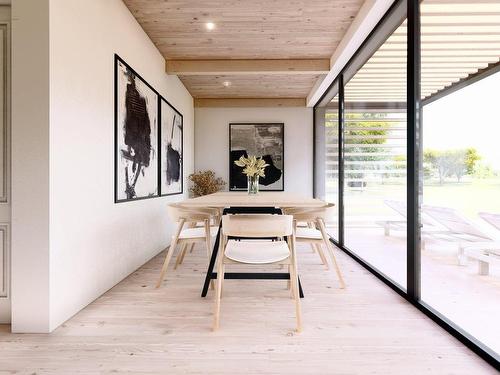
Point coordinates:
pixel 248 102
pixel 247 67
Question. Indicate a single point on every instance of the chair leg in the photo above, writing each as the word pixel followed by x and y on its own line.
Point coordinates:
pixel 170 252
pixel 337 268
pixel 322 255
pixel 295 291
pixel 310 224
pixel 184 253
pixel 208 246
pixel 208 240
pixel 168 256
pixel 332 255
pixel 288 284
pixel 180 256
pixel 222 281
pixel 294 276
pixel 218 293
pixel 191 248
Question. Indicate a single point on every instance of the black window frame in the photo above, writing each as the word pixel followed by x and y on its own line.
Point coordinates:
pixel 374 40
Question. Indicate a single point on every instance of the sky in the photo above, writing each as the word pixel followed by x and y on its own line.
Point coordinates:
pixel 469 117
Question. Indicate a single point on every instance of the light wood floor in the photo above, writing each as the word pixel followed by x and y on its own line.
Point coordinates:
pixel 136 329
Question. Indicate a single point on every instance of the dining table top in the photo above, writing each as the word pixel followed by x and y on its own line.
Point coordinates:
pixel 262 199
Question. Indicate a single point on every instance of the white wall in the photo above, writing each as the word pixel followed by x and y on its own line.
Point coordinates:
pixel 30 165
pixel 212 141
pixel 95 243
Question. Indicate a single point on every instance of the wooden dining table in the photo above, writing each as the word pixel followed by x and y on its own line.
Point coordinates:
pixel 241 203
pixel 276 199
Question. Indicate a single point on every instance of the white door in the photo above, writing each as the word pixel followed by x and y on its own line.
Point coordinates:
pixel 4 164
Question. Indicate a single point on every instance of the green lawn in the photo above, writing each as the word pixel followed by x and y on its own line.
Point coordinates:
pixel 468 197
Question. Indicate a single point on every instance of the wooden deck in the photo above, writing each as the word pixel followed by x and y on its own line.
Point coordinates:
pixel 137 329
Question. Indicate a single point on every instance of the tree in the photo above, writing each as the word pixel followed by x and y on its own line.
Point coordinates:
pixel 482 170
pixel 363 133
pixel 367 128
pixel 451 162
pixel 456 163
pixel 471 159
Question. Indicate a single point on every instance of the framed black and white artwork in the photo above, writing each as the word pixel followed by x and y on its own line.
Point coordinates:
pixel 171 142
pixel 261 140
pixel 136 135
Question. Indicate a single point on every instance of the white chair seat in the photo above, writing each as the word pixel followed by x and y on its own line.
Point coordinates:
pixel 309 233
pixel 197 232
pixel 257 252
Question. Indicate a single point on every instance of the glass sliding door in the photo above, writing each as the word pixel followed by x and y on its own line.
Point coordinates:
pixel 375 158
pixel 407 145
pixel 327 157
pixel 460 257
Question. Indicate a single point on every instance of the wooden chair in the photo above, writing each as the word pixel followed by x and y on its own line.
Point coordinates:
pixel 215 218
pixel 316 233
pixel 188 233
pixel 304 224
pixel 257 252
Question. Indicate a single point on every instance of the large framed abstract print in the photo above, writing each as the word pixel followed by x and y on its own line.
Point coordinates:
pixel 261 140
pixel 171 142
pixel 136 135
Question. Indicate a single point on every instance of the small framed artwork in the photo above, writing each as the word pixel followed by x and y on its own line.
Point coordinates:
pixel 171 143
pixel 262 140
pixel 136 135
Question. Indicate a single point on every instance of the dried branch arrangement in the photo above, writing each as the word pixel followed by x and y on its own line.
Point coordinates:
pixel 205 182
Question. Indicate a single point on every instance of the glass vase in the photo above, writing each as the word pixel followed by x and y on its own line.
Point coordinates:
pixel 253 184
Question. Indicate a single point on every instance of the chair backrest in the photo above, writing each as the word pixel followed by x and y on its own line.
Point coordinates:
pixel 257 225
pixel 493 219
pixel 452 220
pixel 176 212
pixel 328 214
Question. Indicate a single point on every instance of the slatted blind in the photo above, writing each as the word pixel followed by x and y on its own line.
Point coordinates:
pixel 375 147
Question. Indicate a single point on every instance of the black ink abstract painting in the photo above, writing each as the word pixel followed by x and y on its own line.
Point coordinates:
pixel 170 149
pixel 136 135
pixel 261 140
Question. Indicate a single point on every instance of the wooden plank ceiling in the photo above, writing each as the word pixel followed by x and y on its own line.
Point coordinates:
pixel 459 38
pixel 263 48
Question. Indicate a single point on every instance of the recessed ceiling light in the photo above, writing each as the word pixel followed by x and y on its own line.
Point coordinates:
pixel 226 83
pixel 210 26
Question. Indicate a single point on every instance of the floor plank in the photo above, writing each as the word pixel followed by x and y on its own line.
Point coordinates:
pixel 137 329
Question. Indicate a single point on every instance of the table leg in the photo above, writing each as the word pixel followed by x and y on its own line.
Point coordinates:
pixel 301 292
pixel 211 265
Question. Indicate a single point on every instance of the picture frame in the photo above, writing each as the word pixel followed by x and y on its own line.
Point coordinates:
pixel 265 140
pixel 171 148
pixel 136 135
pixel 152 168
